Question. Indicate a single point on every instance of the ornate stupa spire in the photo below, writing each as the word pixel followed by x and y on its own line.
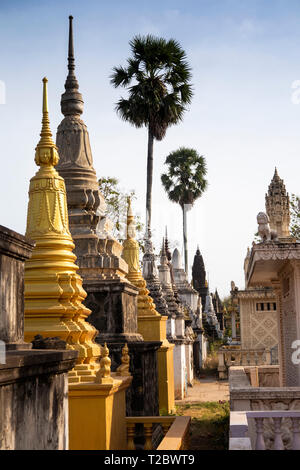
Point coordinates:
pixel 98 252
pixel 131 254
pixel 187 295
pixel 71 100
pixel 199 277
pixel 166 283
pixel 150 275
pixel 53 289
pixel 278 206
pixel 167 248
pixel 151 324
pixel 76 160
pixel 169 258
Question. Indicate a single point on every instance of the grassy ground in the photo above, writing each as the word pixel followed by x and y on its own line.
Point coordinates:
pixel 210 424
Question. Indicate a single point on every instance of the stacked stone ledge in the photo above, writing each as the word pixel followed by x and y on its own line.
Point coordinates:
pixel 40 376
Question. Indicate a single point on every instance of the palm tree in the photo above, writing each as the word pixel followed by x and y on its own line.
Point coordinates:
pixel 184 183
pixel 157 80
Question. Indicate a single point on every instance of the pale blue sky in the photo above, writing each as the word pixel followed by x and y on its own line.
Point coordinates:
pixel 244 55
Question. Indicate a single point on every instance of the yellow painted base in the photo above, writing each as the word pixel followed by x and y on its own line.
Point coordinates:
pixel 153 328
pixel 97 415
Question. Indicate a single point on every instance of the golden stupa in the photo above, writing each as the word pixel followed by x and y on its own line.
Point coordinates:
pixel 53 288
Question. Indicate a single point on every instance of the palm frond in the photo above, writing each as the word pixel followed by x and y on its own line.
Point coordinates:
pixel 160 75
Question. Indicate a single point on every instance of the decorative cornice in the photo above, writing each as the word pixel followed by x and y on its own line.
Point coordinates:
pixel 14 244
pixel 272 251
pixel 255 294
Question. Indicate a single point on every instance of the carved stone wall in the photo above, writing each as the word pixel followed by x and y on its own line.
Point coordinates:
pixel 34 400
pixel 258 328
pixel 289 325
pixel 243 397
pixel 33 384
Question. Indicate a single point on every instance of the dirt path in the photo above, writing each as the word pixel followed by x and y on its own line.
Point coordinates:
pixel 207 404
pixel 208 389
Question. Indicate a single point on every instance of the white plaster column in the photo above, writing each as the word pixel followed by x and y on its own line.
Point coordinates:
pixel 281 357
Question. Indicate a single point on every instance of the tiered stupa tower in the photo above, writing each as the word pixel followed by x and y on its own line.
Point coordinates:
pixel 175 325
pixel 151 324
pixel 218 306
pixel 186 293
pixel 211 317
pixel 53 307
pixel 199 277
pixel 188 297
pixel 166 285
pixel 85 202
pixel 53 288
pixel 180 309
pixel 110 296
pixel 278 207
pixel 150 274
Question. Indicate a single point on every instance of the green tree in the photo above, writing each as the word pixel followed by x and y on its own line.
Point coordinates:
pixel 157 80
pixel 295 216
pixel 116 201
pixel 185 182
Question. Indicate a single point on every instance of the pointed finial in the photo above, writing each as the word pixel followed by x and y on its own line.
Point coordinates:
pixel 148 241
pixel 163 250
pixel 129 208
pixel 45 97
pixel 130 220
pixel 163 256
pixel 71 101
pixel 71 59
pixel 276 176
pixel 46 151
pixel 167 249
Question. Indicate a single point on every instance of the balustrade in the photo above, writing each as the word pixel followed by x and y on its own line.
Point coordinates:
pixel 239 429
pixel 175 429
pixel 241 357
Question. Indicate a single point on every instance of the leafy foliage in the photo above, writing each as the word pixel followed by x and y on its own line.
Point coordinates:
pixel 116 200
pixel 210 424
pixel 157 79
pixel 185 180
pixel 295 216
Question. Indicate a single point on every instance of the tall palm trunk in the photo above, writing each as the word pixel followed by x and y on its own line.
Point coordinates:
pixel 185 239
pixel 149 179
